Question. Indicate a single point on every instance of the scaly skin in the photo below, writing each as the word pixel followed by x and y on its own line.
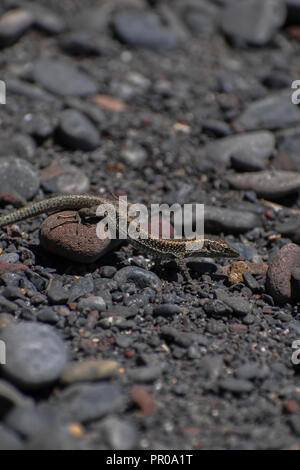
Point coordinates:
pixel 157 247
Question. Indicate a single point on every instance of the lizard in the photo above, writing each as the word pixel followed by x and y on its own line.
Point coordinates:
pixel 157 247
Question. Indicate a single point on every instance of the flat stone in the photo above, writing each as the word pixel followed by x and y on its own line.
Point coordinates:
pixel 273 112
pixel 219 219
pixel 86 402
pixel 251 145
pixel 36 355
pixel 13 24
pixel 254 22
pixel 63 79
pixel 141 28
pixel 269 184
pixel 236 385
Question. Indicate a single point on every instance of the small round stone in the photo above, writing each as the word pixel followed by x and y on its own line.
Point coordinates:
pixel 77 132
pixel 36 355
pixel 18 176
pixel 63 79
pixel 139 276
pixel 93 302
pixel 62 234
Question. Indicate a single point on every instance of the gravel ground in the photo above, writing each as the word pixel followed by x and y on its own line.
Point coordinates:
pixel 166 101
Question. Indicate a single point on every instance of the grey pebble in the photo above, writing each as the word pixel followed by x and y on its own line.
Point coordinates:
pixel 40 125
pixel 81 43
pixel 141 28
pixel 273 112
pixel 242 162
pixel 246 251
pixel 251 282
pixel 18 176
pixel 139 276
pixel 68 180
pixel 48 315
pixel 80 287
pixel 288 141
pixel 19 145
pixel 219 219
pixel 77 132
pixel 294 422
pixel 27 421
pixel 236 385
pixel 251 370
pixel 57 294
pixel 144 374
pixel 123 341
pixel 63 79
pixel 30 90
pixel 11 397
pixel 238 305
pixel 35 354
pixel 250 146
pixel 13 24
pixel 212 366
pixel 269 184
pixel 7 305
pixel 118 433
pixel 107 271
pixel 215 327
pixel 89 109
pixel 9 440
pixel 258 21
pixel 94 302
pixel 86 402
pixel 216 307
pixel 166 310
pixel 134 155
pixel 46 20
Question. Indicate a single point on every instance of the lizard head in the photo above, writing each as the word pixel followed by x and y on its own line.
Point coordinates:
pixel 211 247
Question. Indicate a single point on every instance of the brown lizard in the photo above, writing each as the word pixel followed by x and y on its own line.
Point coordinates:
pixel 177 249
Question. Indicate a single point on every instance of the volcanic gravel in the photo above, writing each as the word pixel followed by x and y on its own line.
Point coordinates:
pixel 165 101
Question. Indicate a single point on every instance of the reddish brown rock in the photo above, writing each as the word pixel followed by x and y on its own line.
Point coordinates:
pixel 279 282
pixel 238 328
pixel 11 267
pixel 143 399
pixel 63 235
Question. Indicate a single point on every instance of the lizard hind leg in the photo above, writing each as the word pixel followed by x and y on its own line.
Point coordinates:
pixel 180 261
